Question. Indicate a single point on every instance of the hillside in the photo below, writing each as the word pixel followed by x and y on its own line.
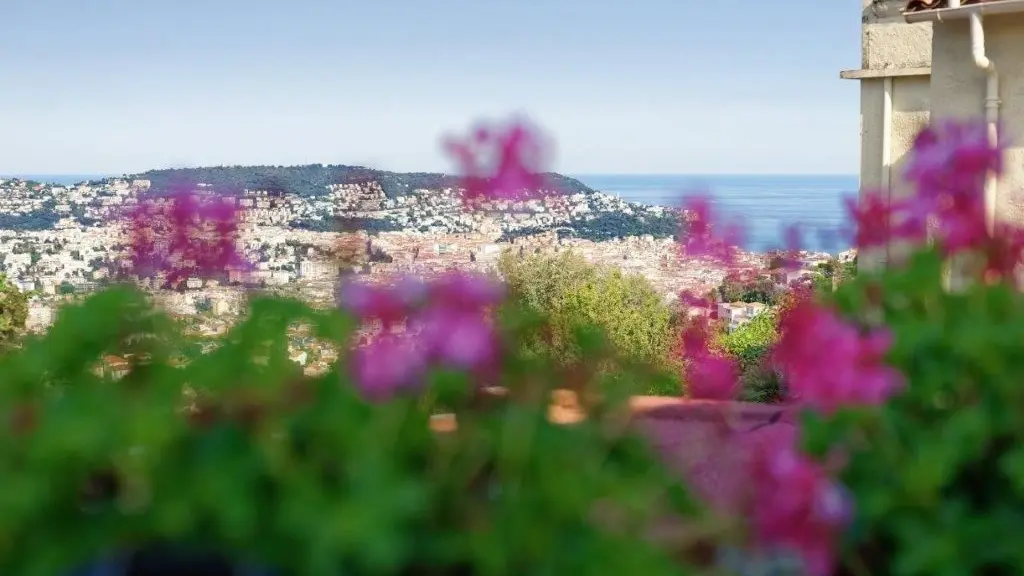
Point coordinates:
pixel 311 180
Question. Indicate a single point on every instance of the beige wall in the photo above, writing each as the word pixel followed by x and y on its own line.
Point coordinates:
pixel 899 53
pixel 958 90
pixel 910 113
pixel 896 45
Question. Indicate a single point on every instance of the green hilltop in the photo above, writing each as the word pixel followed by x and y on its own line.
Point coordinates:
pixel 311 180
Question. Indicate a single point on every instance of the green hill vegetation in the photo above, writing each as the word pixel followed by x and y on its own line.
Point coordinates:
pixel 570 292
pixel 312 179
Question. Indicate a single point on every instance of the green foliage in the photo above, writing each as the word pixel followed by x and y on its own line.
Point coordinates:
pixel 312 180
pixel 65 288
pixel 737 288
pixel 607 226
pixel 938 472
pixel 301 473
pixel 822 283
pixel 42 219
pixel 569 292
pixel 13 312
pixel 204 305
pixel 751 344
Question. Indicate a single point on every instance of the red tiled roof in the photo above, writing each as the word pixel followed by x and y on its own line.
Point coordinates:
pixel 922 5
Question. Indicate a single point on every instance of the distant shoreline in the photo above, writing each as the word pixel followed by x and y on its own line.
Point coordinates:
pixel 764 203
pixel 67 179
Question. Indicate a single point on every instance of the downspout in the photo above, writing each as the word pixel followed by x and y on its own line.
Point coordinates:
pixel 885 176
pixel 991 108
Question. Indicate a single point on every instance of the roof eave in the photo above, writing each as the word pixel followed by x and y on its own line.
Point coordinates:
pixel 961 12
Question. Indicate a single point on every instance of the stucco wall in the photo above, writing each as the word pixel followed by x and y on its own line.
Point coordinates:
pixel 896 45
pixel 891 48
pixel 910 113
pixel 958 89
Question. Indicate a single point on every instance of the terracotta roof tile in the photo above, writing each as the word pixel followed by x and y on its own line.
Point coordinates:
pixel 922 5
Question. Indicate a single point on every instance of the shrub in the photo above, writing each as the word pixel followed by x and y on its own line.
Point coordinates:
pixel 751 345
pixel 570 292
pixel 748 287
pixel 269 467
pixel 907 457
pixel 937 470
pixel 13 312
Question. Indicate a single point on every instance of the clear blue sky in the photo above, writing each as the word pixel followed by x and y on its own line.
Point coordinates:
pixel 625 86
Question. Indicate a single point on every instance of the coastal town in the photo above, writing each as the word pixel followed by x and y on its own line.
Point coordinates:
pixel 59 243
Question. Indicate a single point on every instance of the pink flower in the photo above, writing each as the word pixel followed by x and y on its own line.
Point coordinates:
pixel 387 365
pixel 948 165
pixel 464 291
pixel 789 258
pixel 953 157
pixel 828 364
pixel 373 302
pixel 500 163
pixel 458 338
pixel 184 236
pixel 1004 252
pixel 710 376
pixel 692 300
pixel 872 217
pixel 707 375
pixel 699 239
pixel 445 320
pixel 796 505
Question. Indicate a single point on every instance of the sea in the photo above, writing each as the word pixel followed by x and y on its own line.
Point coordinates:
pixel 764 204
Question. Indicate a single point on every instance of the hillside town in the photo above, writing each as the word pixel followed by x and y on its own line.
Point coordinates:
pixel 62 242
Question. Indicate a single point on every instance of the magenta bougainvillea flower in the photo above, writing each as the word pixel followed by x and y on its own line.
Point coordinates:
pixel 183 235
pixel 443 323
pixel 947 166
pixel 828 364
pixel 371 302
pixel 796 505
pixel 707 374
pixel 500 163
pixel 952 157
pixel 705 236
pixel 877 221
pixel 388 365
pixel 691 300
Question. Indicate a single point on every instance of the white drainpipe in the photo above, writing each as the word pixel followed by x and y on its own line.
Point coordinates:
pixel 885 177
pixel 991 109
pixel 973 14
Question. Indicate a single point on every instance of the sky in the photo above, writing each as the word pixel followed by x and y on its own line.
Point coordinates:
pixel 621 86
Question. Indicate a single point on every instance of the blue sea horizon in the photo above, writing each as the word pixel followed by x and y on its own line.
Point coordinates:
pixel 764 203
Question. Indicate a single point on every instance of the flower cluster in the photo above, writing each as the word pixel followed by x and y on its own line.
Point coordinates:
pixel 500 163
pixel 422 325
pixel 705 236
pixel 708 374
pixel 948 166
pixel 797 506
pixel 828 363
pixel 183 235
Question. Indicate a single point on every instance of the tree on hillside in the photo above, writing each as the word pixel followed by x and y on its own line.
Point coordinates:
pixel 13 312
pixel 750 344
pixel 746 287
pixel 568 291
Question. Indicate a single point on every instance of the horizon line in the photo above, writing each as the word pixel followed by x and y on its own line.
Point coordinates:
pixel 570 174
